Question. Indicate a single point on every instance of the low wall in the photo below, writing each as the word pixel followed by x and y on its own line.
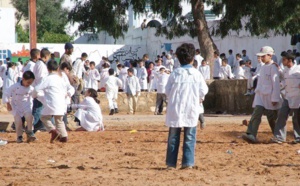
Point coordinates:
pixel 224 96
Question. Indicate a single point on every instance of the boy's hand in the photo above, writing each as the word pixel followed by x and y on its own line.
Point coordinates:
pixel 8 106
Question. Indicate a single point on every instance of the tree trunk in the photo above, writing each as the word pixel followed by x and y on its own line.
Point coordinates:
pixel 207 45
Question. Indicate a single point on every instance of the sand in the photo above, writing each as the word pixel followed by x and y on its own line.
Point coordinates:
pixel 122 156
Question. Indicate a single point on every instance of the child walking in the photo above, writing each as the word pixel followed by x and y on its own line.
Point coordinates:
pixel 111 87
pixel 52 92
pixel 161 97
pixel 93 77
pixel 132 90
pixel 184 90
pixel 20 105
pixel 88 114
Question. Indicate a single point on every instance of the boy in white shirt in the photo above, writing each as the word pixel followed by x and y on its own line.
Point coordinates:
pixel 217 66
pixel 291 75
pixel 240 73
pixel 249 72
pixel 161 97
pixel 93 77
pixel 230 59
pixel 111 87
pixel 142 75
pixel 169 62
pixel 132 90
pixel 205 70
pixel 185 89
pixel 198 57
pixel 226 70
pixel 236 65
pixel 52 92
pixel 267 97
pixel 19 101
pixel 34 57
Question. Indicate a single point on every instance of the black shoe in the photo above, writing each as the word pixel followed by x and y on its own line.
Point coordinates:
pixel 112 111
pixel 20 139
pixel 116 110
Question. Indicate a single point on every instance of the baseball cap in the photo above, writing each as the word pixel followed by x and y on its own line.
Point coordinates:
pixel 68 46
pixel 265 50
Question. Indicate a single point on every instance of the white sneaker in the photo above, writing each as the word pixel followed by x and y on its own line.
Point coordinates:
pixel 2 142
pixel 247 93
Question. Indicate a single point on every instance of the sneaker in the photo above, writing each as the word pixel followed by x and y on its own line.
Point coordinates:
pixel 276 140
pixel 247 94
pixel 30 137
pixel 170 168
pixel 202 125
pixel 54 135
pixel 249 138
pixel 116 110
pixel 20 139
pixel 63 139
pixel 112 111
pixel 2 142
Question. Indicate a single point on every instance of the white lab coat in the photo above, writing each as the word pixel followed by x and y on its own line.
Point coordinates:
pixel 236 66
pixel 112 85
pixel 258 67
pixel 52 92
pixel 291 84
pixel 226 72
pixel 170 64
pixel 40 71
pixel 240 73
pixel 199 59
pixel 1 82
pixel 20 98
pixel 67 81
pixel 155 72
pixel 8 81
pixel 19 69
pixel 162 80
pixel 184 90
pixel 176 63
pixel 29 66
pixel 205 71
pixel 103 76
pixel 133 84
pixel 3 69
pixel 89 114
pixel 123 76
pixel 268 88
pixel 92 79
pixel 217 66
pixel 78 68
pixel 142 75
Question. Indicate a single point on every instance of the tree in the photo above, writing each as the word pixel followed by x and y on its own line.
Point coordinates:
pixel 51 17
pixel 259 17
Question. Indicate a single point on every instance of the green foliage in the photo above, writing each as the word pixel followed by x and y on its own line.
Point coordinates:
pixel 259 17
pixel 23 35
pixel 51 17
pixel 56 38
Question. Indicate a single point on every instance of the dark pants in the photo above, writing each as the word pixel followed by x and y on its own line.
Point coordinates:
pixel 216 78
pixel 36 112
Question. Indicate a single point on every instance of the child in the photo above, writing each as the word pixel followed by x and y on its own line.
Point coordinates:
pixel 89 114
pixel 240 73
pixel 21 105
pixel 205 70
pixel 123 75
pixel 226 70
pixel 236 65
pixel 184 90
pixel 52 92
pixel 132 90
pixel 169 62
pixel 217 66
pixel 249 72
pixel 112 85
pixel 267 97
pixel 93 77
pixel 9 77
pixel 103 76
pixel 155 72
pixel 142 75
pixel 34 57
pixel 161 97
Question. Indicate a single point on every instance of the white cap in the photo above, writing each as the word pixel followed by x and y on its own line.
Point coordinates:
pixel 265 50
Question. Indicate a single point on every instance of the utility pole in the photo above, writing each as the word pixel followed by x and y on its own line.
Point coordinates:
pixel 32 23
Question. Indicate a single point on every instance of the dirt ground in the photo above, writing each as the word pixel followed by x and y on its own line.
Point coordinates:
pixel 122 156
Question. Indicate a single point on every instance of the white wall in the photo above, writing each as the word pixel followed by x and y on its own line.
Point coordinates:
pixel 7 22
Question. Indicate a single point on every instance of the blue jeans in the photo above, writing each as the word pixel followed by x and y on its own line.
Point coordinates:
pixel 36 112
pixel 189 142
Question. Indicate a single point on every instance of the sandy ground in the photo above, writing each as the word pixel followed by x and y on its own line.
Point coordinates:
pixel 119 157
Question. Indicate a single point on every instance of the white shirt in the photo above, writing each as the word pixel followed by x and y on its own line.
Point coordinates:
pixel 226 72
pixel 205 71
pixel 133 84
pixel 185 89
pixel 21 99
pixel 199 59
pixel 258 67
pixel 268 88
pixel 245 58
pixel 19 68
pixel 29 66
pixel 217 66
pixel 103 76
pixel 92 79
pixel 3 68
pixel 112 86
pixel 78 68
pixel 240 73
pixel 142 75
pixel 123 76
pixel 52 92
pixel 40 71
pixel 170 64
pixel 291 84
pixel 162 80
